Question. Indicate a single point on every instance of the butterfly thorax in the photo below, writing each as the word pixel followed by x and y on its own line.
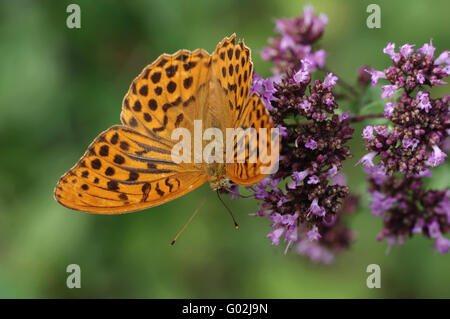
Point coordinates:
pixel 216 176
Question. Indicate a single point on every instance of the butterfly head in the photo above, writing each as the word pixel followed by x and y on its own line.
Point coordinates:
pixel 217 178
pixel 219 184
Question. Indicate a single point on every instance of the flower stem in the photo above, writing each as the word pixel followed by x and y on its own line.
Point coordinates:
pixel 344 84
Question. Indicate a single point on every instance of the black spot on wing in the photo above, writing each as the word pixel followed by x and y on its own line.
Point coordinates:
pixel 159 191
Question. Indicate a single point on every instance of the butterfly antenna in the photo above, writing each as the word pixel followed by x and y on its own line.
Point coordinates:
pixel 229 211
pixel 188 222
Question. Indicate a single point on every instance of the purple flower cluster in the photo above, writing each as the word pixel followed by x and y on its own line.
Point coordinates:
pixel 302 199
pixel 409 146
pixel 413 142
pixel 412 68
pixel 331 238
pixel 265 88
pixel 420 123
pixel 408 209
pixel 307 199
pixel 294 42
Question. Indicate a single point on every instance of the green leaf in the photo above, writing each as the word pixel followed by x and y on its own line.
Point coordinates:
pixel 372 103
pixel 375 107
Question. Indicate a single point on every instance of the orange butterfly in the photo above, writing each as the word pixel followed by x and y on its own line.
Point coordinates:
pixel 130 167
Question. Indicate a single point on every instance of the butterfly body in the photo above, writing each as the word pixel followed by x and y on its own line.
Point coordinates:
pixel 217 177
pixel 131 167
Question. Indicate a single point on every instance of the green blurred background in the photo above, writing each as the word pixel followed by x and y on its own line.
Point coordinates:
pixel 60 87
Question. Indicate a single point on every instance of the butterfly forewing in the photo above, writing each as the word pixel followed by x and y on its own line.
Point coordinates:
pixel 130 168
pixel 166 95
pixel 124 170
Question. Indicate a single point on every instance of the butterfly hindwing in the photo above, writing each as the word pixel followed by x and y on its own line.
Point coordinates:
pixel 233 67
pixel 123 171
pixel 255 116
